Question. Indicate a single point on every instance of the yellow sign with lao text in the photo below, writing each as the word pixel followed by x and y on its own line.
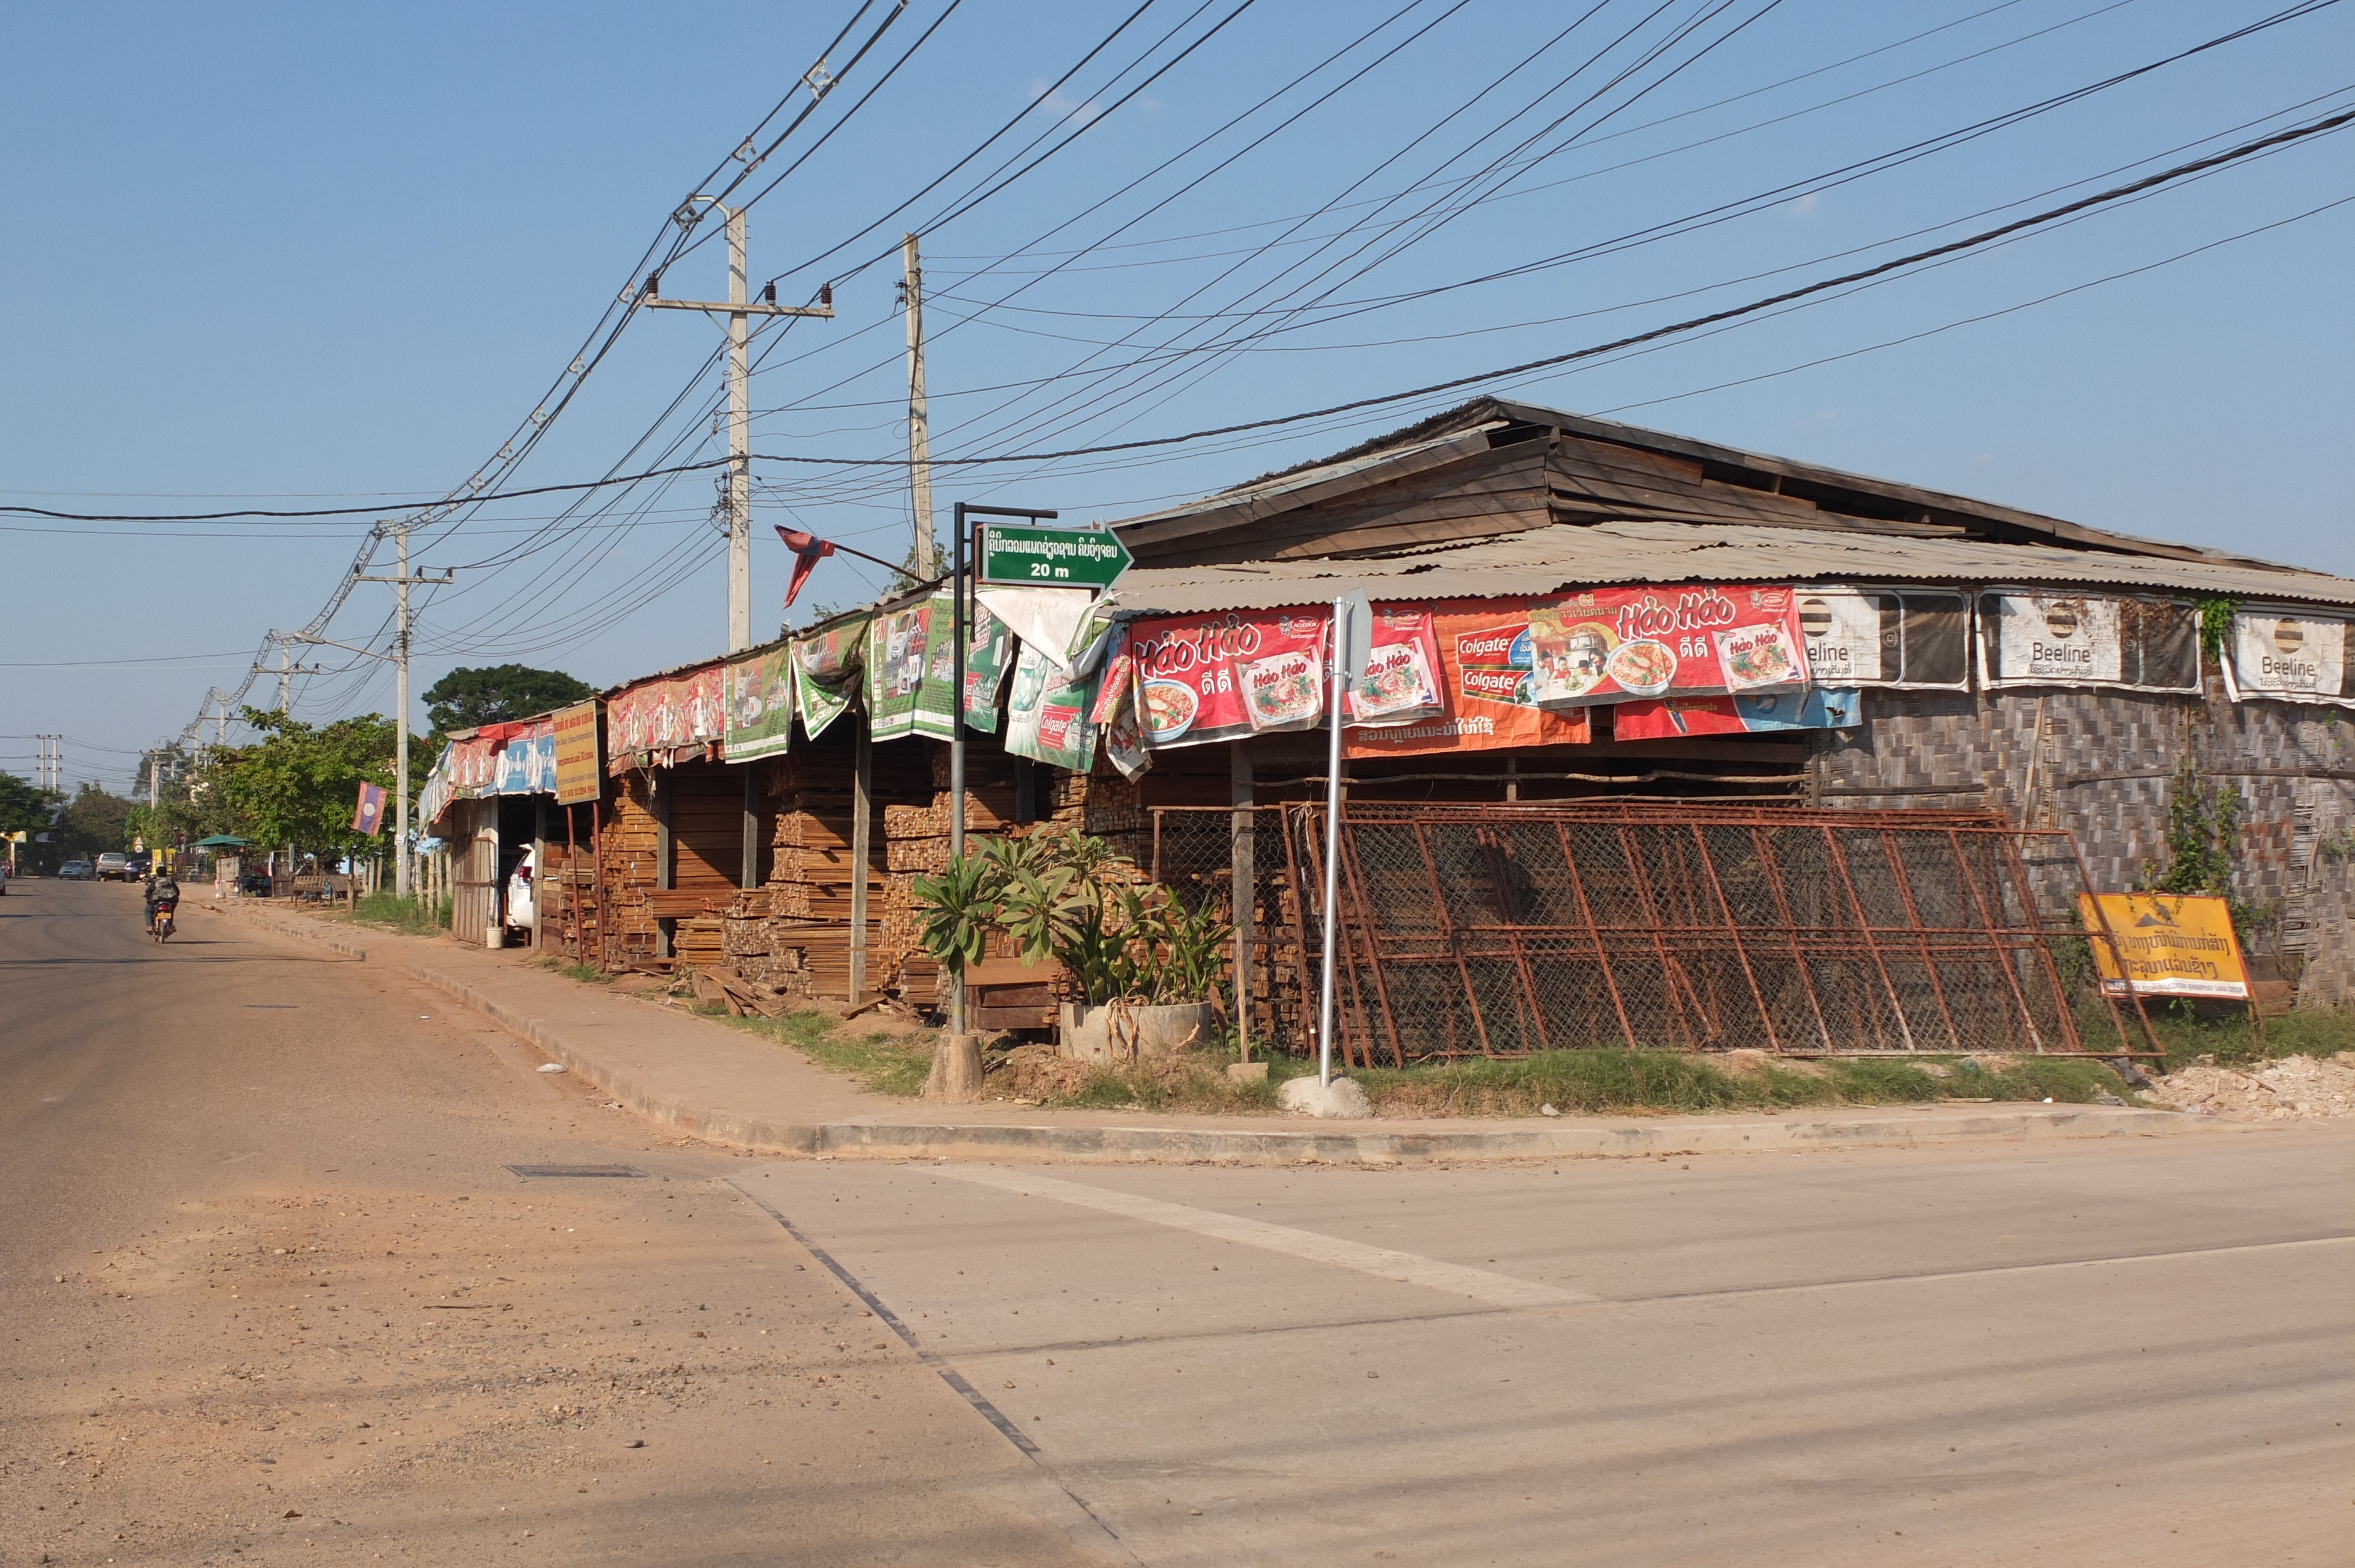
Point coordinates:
pixel 580 775
pixel 2169 945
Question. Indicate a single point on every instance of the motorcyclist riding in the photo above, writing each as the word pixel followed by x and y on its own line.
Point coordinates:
pixel 163 893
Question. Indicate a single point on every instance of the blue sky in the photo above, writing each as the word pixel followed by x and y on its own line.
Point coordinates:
pixel 302 256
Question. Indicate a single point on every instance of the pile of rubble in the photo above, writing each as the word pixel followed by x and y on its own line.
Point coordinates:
pixel 2295 1088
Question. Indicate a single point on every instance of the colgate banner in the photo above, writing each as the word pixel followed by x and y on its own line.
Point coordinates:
pixel 1483 656
pixel 1610 645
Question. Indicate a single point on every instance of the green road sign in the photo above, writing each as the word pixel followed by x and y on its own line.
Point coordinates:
pixel 1025 556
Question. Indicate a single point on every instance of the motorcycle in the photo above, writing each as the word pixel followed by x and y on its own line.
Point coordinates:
pixel 161 927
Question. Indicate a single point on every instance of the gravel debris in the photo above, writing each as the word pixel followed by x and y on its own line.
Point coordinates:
pixel 2295 1088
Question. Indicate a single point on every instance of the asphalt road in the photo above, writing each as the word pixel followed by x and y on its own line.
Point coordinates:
pixel 2100 1353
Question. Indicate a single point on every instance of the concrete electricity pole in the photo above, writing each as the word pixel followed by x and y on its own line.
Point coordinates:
pixel 739 311
pixel 402 624
pixel 924 558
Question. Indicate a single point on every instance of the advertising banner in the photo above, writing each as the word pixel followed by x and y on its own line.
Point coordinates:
pixel 1047 715
pixel 648 724
pixel 825 673
pixel 909 665
pixel 2299 657
pixel 526 761
pixel 760 705
pixel 1227 674
pixel 988 658
pixel 1483 673
pixel 1666 719
pixel 2051 639
pixel 1843 631
pixel 2148 643
pixel 578 776
pixel 473 766
pixel 1611 644
pixel 2170 945
pixel 1400 682
pixel 1884 637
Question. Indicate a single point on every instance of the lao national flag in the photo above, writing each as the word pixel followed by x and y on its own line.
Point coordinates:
pixel 369 818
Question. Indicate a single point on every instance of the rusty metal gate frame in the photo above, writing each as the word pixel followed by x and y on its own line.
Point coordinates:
pixel 1706 968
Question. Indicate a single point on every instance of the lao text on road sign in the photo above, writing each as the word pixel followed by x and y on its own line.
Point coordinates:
pixel 1051 558
pixel 2166 945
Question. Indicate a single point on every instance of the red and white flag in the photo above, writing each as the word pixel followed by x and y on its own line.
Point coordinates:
pixel 808 551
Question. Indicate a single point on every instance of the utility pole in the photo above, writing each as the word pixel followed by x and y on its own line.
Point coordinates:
pixel 403 880
pixel 401 579
pixel 924 558
pixel 740 312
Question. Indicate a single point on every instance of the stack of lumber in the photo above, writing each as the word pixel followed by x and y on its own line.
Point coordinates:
pixel 628 848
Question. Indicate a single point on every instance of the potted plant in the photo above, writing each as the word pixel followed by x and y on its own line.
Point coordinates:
pixel 1143 970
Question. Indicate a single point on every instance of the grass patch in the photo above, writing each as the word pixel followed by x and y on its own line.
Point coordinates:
pixel 586 973
pixel 1194 1082
pixel 882 1061
pixel 2233 1040
pixel 1602 1080
pixel 391 912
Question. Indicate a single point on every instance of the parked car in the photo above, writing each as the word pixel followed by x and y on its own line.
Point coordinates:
pixel 113 866
pixel 141 864
pixel 75 870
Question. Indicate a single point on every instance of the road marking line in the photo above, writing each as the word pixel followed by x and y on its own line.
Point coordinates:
pixel 1007 1428
pixel 1498 1289
pixel 1992 1269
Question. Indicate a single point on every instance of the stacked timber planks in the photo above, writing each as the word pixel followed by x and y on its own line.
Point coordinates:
pixel 628 848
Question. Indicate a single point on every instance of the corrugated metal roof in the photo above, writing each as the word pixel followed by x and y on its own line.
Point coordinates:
pixel 1300 478
pixel 1566 555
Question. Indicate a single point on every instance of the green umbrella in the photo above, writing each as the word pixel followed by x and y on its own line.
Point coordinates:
pixel 223 841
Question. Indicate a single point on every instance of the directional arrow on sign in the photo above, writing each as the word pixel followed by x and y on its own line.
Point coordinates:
pixel 1018 555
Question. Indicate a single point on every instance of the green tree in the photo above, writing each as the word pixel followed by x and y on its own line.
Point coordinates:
pixel 94 823
pixel 468 699
pixel 299 783
pixel 22 808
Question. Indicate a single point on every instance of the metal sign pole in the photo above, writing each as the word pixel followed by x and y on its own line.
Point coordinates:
pixel 956 742
pixel 1332 850
pixel 958 621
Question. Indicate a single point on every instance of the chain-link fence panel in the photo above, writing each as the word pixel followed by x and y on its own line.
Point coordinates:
pixel 1499 930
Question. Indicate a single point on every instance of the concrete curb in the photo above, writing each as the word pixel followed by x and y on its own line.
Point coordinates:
pixel 1281 1144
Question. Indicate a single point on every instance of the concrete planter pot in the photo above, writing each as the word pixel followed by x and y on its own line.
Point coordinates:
pixel 1126 1032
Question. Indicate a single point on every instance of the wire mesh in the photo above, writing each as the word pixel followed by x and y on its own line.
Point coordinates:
pixel 1500 930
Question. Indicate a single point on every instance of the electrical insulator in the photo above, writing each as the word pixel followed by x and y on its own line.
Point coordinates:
pixel 769 293
pixel 653 285
pixel 826 295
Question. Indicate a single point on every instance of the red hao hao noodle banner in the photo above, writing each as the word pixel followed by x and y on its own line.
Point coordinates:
pixel 1609 645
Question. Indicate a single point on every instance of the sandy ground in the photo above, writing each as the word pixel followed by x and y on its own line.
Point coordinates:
pixel 270 1296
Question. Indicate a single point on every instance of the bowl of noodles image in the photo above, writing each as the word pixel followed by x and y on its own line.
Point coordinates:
pixel 1643 666
pixel 1169 710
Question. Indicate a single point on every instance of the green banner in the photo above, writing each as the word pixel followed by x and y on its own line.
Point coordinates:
pixel 759 705
pixel 825 674
pixel 1047 721
pixel 988 658
pixel 909 661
